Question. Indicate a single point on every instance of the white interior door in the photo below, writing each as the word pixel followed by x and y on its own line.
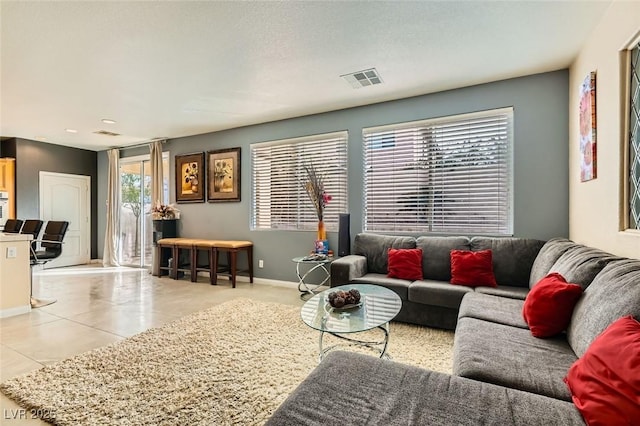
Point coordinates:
pixel 68 197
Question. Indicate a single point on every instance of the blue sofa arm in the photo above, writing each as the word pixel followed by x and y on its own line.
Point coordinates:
pixel 347 268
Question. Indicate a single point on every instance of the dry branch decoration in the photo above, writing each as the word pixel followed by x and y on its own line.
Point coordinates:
pixel 314 185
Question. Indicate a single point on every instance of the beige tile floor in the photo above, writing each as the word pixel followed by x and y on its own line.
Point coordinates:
pixel 97 306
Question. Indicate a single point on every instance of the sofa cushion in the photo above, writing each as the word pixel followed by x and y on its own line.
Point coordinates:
pixel 401 287
pixel 511 357
pixel 548 307
pixel 436 255
pixel 405 264
pixel 429 315
pixel 504 251
pixel 519 293
pixel 581 264
pixel 491 308
pixel 472 268
pixel 437 293
pixel 375 248
pixel 548 255
pixel 614 293
pixel 605 381
pixel 358 390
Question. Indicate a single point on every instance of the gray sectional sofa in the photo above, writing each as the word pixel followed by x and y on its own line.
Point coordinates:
pixel 501 373
pixel 433 301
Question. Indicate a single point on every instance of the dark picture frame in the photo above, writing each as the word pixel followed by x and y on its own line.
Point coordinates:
pixel 190 178
pixel 223 167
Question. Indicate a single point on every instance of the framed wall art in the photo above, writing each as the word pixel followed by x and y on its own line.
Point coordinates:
pixel 190 178
pixel 224 175
pixel 588 157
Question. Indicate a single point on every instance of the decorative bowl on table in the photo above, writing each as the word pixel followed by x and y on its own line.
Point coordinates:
pixel 342 300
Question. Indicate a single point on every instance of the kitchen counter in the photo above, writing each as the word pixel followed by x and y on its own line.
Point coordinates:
pixel 15 274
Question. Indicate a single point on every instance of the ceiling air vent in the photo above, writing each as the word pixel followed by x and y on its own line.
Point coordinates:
pixel 363 78
pixel 106 133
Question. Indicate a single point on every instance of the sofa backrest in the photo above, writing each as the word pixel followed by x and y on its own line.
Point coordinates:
pixel 436 255
pixel 614 293
pixel 375 248
pixel 547 256
pixel 512 258
pixel 580 264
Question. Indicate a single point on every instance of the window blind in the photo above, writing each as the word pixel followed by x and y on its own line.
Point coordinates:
pixel 279 200
pixel 449 175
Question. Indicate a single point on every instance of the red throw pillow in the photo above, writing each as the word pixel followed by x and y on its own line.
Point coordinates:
pixel 405 264
pixel 549 305
pixel 605 382
pixel 472 268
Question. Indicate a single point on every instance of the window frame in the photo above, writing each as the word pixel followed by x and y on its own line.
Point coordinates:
pixel 431 125
pixel 625 211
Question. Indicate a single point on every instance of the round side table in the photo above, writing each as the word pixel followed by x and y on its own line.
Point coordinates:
pixel 305 267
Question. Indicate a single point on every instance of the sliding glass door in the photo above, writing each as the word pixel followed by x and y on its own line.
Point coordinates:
pixel 136 229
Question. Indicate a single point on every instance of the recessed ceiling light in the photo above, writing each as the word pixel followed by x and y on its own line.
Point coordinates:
pixel 71 130
pixel 108 121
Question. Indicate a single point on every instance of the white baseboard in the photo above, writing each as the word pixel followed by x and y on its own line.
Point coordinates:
pixel 18 310
pixel 267 281
pixel 245 279
pixel 278 283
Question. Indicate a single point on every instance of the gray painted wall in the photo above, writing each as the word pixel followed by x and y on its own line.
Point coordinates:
pixel 541 195
pixel 32 157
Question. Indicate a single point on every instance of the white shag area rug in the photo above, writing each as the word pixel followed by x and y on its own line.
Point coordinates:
pixel 234 363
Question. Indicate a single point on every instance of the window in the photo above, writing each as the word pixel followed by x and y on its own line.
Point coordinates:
pixel 446 175
pixel 279 201
pixel 633 193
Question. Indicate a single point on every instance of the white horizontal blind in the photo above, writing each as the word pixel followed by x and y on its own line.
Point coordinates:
pixel 451 175
pixel 279 200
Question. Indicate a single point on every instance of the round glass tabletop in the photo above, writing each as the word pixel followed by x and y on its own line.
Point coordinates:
pixel 312 259
pixel 379 306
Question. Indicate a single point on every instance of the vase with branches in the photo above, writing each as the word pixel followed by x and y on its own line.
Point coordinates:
pixel 314 186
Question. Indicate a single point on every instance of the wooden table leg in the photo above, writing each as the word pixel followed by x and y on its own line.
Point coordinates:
pixel 213 266
pixel 250 262
pixel 175 253
pixel 233 266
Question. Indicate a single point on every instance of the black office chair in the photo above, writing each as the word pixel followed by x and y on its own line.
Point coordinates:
pixel 51 248
pixel 33 227
pixel 12 226
pixel 51 242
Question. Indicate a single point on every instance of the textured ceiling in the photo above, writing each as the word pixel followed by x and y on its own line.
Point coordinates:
pixel 171 69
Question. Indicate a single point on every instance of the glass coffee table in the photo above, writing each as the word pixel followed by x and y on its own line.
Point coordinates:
pixel 379 306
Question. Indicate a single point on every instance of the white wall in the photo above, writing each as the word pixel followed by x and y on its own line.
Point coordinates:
pixel 595 207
